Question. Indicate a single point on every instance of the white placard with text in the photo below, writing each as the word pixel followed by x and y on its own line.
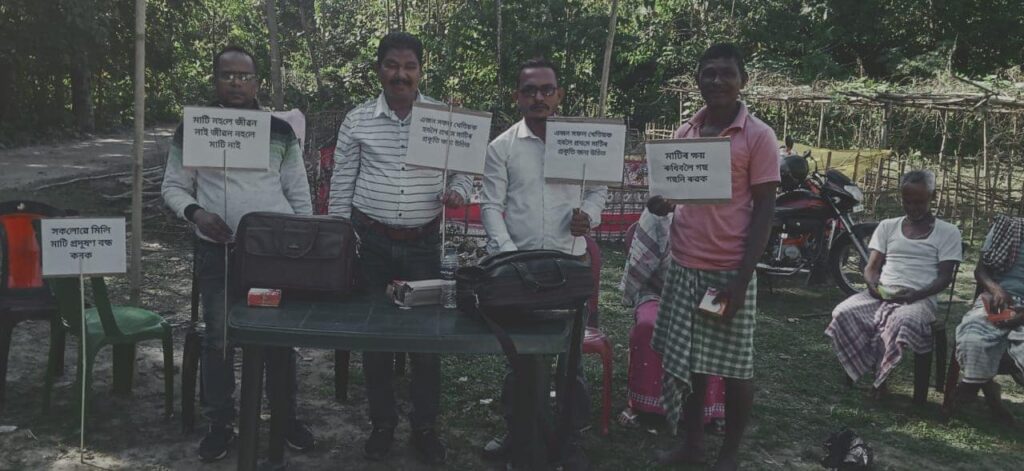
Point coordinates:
pixel 695 171
pixel 459 133
pixel 597 144
pixel 90 246
pixel 231 137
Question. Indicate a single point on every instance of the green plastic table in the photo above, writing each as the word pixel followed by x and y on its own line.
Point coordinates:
pixel 373 323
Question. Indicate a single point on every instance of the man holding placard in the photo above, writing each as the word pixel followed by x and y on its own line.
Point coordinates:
pixel 200 195
pixel 396 212
pixel 522 211
pixel 706 321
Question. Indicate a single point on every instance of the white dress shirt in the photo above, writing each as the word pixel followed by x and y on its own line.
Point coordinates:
pixel 370 173
pixel 520 210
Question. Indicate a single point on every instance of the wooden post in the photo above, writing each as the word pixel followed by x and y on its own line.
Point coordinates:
pixel 984 147
pixel 785 119
pixel 942 150
pixel 942 190
pixel 856 165
pixel 828 162
pixel 821 124
pixel 957 199
pixel 974 204
pixel 135 273
pixel 606 69
pixel 878 184
pixel 883 130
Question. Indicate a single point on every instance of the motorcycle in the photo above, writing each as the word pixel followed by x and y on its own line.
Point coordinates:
pixel 813 229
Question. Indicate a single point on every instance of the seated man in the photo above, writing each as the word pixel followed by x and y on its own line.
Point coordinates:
pixel 980 342
pixel 912 259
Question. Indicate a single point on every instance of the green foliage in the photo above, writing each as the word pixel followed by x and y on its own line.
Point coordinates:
pixel 872 42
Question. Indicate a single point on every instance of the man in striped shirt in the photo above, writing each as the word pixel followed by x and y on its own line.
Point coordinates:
pixel 395 210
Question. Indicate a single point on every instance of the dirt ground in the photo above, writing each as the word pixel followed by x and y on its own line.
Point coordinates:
pixel 23 167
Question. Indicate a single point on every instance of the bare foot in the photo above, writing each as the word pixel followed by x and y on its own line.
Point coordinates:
pixel 994 401
pixel 727 463
pixel 682 454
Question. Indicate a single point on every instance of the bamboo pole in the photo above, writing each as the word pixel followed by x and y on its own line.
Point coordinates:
pixel 497 35
pixel 606 68
pixel 135 270
pixel 275 55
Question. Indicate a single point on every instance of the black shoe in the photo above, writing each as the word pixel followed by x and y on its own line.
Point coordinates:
pixel 496 449
pixel 298 437
pixel 429 449
pixel 215 444
pixel 379 443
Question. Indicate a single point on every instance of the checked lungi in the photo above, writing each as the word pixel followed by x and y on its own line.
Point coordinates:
pixel 869 334
pixel 691 342
pixel 980 346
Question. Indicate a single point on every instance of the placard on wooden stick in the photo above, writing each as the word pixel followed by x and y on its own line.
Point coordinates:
pixel 693 171
pixel 459 134
pixel 87 246
pixel 572 143
pixel 226 137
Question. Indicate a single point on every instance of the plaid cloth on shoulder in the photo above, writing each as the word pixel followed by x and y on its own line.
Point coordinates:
pixel 1002 252
pixel 691 342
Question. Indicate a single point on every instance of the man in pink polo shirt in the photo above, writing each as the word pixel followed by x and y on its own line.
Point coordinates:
pixel 716 246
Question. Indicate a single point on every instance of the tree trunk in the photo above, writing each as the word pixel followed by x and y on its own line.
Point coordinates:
pixel 275 55
pixel 606 69
pixel 307 15
pixel 81 92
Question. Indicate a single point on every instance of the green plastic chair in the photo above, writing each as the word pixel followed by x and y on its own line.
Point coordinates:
pixel 119 326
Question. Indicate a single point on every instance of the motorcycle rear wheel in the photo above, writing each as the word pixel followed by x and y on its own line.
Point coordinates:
pixel 846 265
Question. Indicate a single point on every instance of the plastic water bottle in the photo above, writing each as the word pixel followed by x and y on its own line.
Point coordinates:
pixel 449 263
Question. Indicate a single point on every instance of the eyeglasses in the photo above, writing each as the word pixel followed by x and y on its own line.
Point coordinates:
pixel 531 91
pixel 244 77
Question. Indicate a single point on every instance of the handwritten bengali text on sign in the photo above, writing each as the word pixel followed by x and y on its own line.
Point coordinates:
pixel 695 171
pixel 574 143
pixel 94 245
pixel 458 133
pixel 231 137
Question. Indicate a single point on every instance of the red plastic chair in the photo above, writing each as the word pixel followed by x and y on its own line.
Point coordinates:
pixel 595 341
pixel 23 295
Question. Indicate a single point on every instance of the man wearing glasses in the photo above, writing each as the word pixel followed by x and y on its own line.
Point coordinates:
pixel 196 195
pixel 521 211
pixel 395 210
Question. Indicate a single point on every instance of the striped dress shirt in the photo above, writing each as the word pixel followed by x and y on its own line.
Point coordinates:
pixel 370 173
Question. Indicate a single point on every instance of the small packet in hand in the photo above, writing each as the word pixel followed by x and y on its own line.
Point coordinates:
pixel 993 317
pixel 709 306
